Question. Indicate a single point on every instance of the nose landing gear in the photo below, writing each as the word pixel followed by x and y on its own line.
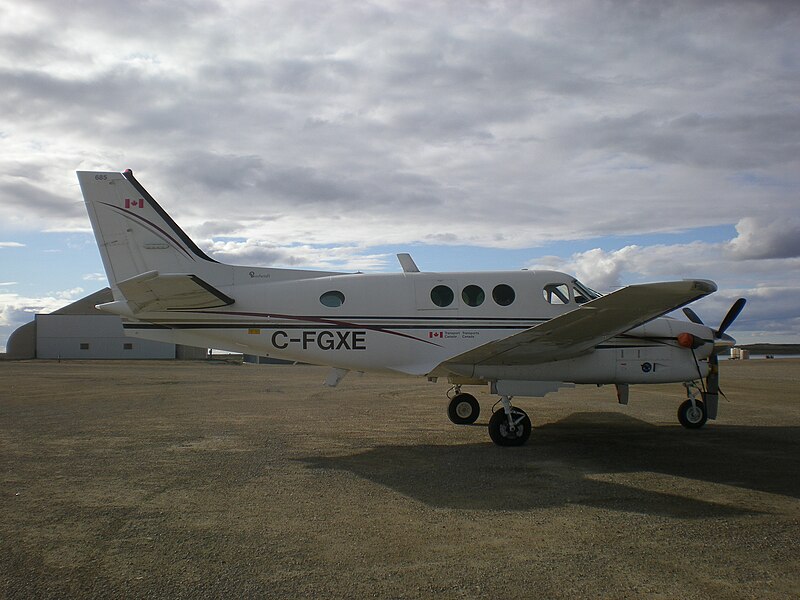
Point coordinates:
pixel 692 413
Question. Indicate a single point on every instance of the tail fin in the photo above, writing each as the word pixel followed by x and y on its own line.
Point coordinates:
pixel 134 233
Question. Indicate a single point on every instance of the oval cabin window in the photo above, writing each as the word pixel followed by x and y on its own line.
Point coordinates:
pixel 503 294
pixel 442 296
pixel 332 299
pixel 472 295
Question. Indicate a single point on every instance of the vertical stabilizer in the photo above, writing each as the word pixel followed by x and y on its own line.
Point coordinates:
pixel 134 233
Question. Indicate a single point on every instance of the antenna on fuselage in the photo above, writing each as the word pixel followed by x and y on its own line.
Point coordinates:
pixel 408 264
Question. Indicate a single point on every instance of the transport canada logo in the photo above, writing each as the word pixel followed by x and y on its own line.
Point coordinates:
pixel 435 334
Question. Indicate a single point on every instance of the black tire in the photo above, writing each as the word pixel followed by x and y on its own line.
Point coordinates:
pixel 500 432
pixel 692 417
pixel 463 409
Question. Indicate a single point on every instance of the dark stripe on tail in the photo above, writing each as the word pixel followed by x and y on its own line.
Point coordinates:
pixel 128 174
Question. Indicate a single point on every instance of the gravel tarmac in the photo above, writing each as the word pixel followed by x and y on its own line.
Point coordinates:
pixel 210 480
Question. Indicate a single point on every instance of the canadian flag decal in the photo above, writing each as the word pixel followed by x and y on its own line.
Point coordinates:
pixel 134 203
pixel 435 334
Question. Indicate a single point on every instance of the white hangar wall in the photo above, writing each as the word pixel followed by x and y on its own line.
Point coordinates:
pixel 96 336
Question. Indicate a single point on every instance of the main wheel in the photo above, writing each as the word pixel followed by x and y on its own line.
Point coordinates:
pixel 504 434
pixel 692 417
pixel 463 409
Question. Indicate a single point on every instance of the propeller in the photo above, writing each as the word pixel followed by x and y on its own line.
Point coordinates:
pixel 711 395
pixel 692 316
pixel 733 313
pixel 730 317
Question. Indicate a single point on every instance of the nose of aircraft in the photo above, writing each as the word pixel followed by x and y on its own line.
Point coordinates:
pixel 722 341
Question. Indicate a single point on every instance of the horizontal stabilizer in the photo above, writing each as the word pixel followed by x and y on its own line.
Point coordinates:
pixel 154 291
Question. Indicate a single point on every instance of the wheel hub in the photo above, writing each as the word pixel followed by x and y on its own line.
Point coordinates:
pixel 463 410
pixel 509 430
pixel 694 414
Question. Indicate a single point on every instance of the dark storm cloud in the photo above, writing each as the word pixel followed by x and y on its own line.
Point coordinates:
pixel 294 187
pixel 228 174
pixel 26 198
pixel 41 98
pixel 739 141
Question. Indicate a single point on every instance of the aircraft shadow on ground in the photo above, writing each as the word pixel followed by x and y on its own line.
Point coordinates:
pixel 557 466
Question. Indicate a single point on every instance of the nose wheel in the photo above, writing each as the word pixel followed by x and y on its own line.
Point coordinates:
pixel 692 414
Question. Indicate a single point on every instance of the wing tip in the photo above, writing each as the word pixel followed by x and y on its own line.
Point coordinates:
pixel 704 285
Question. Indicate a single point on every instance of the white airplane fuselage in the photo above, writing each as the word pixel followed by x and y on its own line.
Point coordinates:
pixel 388 322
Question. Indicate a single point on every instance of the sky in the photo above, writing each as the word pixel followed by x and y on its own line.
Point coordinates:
pixel 622 142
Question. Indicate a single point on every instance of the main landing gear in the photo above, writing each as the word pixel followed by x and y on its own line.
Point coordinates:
pixel 508 426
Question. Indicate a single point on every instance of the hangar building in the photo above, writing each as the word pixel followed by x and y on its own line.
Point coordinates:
pixel 80 331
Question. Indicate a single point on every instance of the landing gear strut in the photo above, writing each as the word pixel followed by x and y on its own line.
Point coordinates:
pixel 464 408
pixel 509 426
pixel 692 413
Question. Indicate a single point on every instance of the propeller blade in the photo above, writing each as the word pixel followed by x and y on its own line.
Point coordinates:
pixel 731 316
pixel 692 315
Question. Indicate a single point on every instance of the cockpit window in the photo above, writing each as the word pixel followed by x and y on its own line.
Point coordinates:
pixel 556 293
pixel 583 294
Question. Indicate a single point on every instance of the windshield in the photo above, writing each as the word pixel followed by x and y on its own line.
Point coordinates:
pixel 583 293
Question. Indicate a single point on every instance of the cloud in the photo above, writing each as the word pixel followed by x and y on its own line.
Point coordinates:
pixel 11 245
pixel 256 253
pixel 764 238
pixel 606 270
pixel 22 201
pixel 486 122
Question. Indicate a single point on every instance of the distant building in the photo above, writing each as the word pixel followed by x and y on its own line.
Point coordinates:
pixel 92 336
pixel 740 354
pixel 80 331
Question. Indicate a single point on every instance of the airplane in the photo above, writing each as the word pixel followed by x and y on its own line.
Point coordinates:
pixel 523 333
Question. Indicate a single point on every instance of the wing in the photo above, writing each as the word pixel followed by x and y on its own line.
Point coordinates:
pixel 580 330
pixel 152 291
